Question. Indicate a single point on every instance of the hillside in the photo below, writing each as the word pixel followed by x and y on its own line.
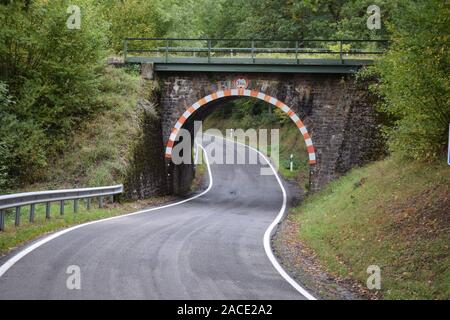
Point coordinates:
pixel 98 151
pixel 394 215
pixel 235 115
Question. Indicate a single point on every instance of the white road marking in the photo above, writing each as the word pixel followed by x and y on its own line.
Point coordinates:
pixel 8 264
pixel 269 231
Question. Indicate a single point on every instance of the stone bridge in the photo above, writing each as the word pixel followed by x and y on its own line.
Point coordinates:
pixel 333 111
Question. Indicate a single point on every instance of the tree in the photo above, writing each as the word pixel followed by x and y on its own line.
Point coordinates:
pixel 132 18
pixel 288 19
pixel 414 79
pixel 52 76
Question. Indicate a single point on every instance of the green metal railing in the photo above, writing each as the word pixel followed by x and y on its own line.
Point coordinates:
pixel 173 50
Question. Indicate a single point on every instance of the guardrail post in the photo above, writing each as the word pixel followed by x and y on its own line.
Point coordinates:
pixel 2 220
pixel 61 207
pixel 32 209
pixel 209 51
pixel 340 51
pixel 100 202
pixel 296 52
pixel 88 203
pixel 253 51
pixel 167 50
pixel 112 198
pixel 75 205
pixel 47 210
pixel 17 220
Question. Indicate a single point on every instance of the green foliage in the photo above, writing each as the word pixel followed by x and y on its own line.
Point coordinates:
pixel 52 75
pixel 183 19
pixel 251 113
pixel 54 78
pixel 390 214
pixel 5 100
pixel 99 153
pixel 151 19
pixel 22 143
pixel 287 19
pixel 132 18
pixel 245 113
pixel 414 80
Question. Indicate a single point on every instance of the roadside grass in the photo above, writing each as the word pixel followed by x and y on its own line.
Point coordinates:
pixel 292 142
pixel 392 214
pixel 15 236
pixel 100 150
pixel 200 171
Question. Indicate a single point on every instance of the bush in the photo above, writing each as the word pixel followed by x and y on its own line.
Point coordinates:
pixel 4 181
pixel 133 18
pixel 53 74
pixel 22 144
pixel 414 80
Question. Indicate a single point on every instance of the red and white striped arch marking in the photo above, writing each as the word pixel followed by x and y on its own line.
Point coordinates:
pixel 245 93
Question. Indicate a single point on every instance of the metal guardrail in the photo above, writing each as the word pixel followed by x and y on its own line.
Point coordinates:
pixel 20 200
pixel 204 50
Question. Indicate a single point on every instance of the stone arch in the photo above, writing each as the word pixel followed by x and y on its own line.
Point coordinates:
pixel 245 93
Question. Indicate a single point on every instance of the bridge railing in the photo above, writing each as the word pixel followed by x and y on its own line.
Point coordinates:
pixel 167 50
pixel 31 199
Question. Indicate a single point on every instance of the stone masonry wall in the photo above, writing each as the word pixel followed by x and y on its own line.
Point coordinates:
pixel 338 113
pixel 146 174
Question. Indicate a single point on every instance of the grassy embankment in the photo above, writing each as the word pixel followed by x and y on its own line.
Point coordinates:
pixel 100 149
pixel 391 214
pixel 97 154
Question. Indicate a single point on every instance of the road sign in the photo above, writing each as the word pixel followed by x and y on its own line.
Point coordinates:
pixel 240 83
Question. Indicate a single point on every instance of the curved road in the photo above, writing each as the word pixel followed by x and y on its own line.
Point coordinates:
pixel 210 247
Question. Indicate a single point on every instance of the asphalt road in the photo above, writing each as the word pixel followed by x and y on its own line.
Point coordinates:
pixel 210 247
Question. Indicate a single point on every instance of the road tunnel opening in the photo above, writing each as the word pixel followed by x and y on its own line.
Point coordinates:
pixel 216 102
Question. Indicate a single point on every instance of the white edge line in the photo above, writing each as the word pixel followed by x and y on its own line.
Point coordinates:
pixel 8 264
pixel 268 233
